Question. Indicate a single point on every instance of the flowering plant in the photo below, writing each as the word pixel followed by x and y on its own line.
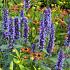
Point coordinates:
pixel 34 35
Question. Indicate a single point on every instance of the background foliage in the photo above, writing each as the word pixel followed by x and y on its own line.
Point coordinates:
pixel 60 16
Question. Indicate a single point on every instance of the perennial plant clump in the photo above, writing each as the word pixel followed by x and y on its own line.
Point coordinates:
pixel 34 32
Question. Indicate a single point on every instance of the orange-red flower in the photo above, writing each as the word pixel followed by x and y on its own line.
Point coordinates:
pixel 27 50
pixel 15 8
pixel 64 12
pixel 36 56
pixel 62 23
pixel 25 57
pixel 33 54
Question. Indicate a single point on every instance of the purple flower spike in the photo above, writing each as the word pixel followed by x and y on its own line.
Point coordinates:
pixel 21 21
pixel 5 15
pixel 17 28
pixel 33 47
pixel 60 60
pixel 13 32
pixel 68 29
pixel 42 34
pixel 10 31
pixel 5 35
pixel 51 41
pixel 5 23
pixel 69 34
pixel 25 21
pixel 67 40
pixel 27 4
pixel 21 13
pixel 11 26
pixel 47 21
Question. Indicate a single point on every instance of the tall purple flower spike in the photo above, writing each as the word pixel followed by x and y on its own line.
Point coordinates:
pixel 17 28
pixel 60 60
pixel 21 20
pixel 27 4
pixel 47 21
pixel 51 41
pixel 67 40
pixel 10 31
pixel 25 21
pixel 5 23
pixel 42 41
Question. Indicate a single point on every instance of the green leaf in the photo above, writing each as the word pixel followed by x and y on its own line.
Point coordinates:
pixel 16 61
pixel 21 67
pixel 1 69
pixel 3 47
pixel 53 59
pixel 16 51
pixel 11 66
pixel 44 50
pixel 45 68
pixel 34 68
pixel 48 68
pixel 68 60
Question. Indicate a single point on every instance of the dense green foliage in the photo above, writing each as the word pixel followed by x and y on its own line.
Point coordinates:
pixel 16 59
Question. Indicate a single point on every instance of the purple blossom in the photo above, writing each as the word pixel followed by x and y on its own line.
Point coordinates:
pixel 5 23
pixel 5 15
pixel 67 40
pixel 27 4
pixel 21 21
pixel 68 32
pixel 68 29
pixel 22 13
pixel 10 46
pixel 5 35
pixel 17 28
pixel 42 34
pixel 25 21
pixel 60 60
pixel 13 32
pixel 10 31
pixel 47 21
pixel 51 41
pixel 33 47
pixel 11 27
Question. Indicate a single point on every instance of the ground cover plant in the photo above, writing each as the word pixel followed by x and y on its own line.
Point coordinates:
pixel 34 34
